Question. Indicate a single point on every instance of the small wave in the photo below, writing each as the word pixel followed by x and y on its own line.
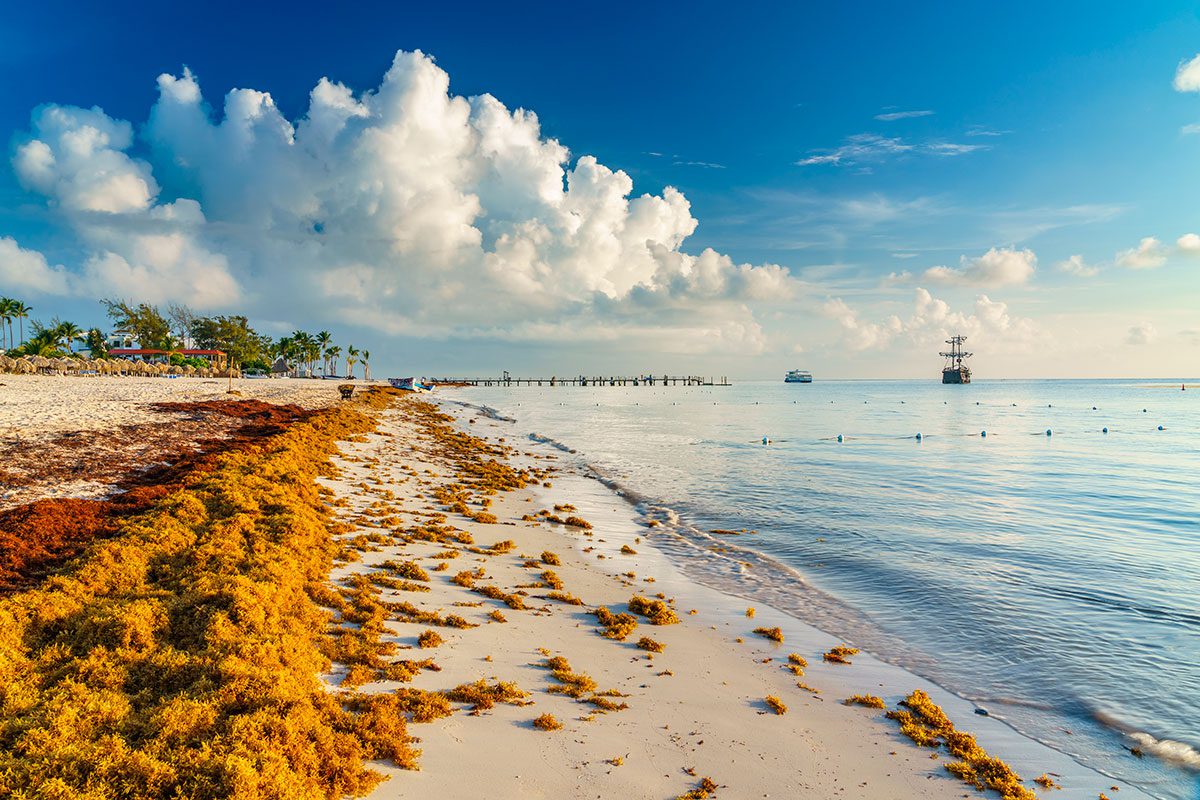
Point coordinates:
pixel 492 413
pixel 1168 750
pixel 1016 702
pixel 632 497
pixel 484 411
pixel 1179 753
pixel 537 437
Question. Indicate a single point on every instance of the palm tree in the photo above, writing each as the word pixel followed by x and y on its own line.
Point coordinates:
pixel 67 333
pixel 331 355
pixel 7 311
pixel 44 342
pixel 366 358
pixel 351 360
pixel 312 353
pixel 21 313
pixel 303 342
pixel 323 339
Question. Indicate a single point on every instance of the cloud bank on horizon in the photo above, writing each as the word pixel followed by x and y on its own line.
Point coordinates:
pixel 406 208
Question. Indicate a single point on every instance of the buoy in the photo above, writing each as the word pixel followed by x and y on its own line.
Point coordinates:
pixel 766 440
pixel 1143 411
pixel 1048 432
pixel 918 437
pixel 1104 430
pixel 1093 408
pixel 983 433
pixel 1160 427
pixel 839 437
pixel 1048 405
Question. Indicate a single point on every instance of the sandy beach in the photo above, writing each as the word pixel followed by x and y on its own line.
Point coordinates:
pixel 453 564
pixel 696 709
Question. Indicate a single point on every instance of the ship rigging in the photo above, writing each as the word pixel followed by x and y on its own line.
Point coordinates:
pixel 955 370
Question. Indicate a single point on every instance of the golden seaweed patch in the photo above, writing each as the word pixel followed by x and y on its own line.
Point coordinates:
pixel 180 657
pixel 774 634
pixel 925 723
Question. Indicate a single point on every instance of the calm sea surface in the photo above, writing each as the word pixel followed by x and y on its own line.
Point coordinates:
pixel 1054 579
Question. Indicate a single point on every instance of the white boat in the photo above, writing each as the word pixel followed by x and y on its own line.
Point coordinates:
pixel 798 376
pixel 410 384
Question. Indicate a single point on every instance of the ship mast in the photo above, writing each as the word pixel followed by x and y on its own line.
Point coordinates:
pixel 956 354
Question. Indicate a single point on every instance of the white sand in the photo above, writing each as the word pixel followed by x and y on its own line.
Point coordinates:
pixel 36 406
pixel 36 410
pixel 707 717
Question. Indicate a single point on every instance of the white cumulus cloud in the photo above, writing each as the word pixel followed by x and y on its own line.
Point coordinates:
pixel 75 156
pixel 1189 244
pixel 1075 265
pixel 28 271
pixel 1149 253
pixel 1187 76
pixel 997 267
pixel 932 320
pixel 406 208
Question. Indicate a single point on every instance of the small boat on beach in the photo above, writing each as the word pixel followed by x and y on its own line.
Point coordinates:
pixel 798 376
pixel 410 385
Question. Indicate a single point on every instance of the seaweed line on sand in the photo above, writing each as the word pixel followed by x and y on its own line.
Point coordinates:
pixel 180 656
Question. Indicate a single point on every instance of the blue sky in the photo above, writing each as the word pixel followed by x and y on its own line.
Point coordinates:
pixel 843 145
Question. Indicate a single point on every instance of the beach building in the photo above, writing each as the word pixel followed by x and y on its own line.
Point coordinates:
pixel 120 341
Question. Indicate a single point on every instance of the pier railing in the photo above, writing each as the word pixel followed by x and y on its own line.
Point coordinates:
pixel 598 380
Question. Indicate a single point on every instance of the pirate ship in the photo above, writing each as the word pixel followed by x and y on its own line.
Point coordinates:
pixel 955 370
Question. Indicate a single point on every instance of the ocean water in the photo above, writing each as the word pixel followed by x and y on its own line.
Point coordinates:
pixel 1053 579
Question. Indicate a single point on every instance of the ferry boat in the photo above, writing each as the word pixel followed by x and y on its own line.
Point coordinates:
pixel 798 376
pixel 955 370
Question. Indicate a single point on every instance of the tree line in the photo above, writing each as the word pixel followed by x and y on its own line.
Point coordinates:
pixel 179 328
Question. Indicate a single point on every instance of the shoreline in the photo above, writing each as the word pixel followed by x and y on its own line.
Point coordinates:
pixel 999 735
pixel 704 686
pixel 423 546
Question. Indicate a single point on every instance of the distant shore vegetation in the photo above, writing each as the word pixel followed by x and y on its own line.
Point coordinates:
pixel 143 326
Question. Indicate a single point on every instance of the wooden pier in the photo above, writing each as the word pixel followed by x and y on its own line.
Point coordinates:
pixel 584 380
